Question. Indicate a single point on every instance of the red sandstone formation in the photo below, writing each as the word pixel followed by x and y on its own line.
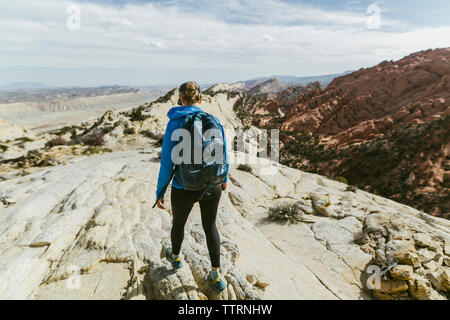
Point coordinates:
pixel 385 129
pixel 366 104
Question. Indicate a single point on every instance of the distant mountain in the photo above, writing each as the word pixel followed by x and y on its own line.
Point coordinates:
pixel 265 87
pixel 25 86
pixel 324 79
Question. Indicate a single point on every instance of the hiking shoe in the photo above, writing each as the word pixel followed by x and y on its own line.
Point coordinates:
pixel 175 261
pixel 218 284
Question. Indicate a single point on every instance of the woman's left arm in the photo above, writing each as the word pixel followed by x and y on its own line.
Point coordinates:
pixel 226 159
pixel 166 168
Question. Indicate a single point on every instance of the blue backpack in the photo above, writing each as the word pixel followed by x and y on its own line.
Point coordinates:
pixel 206 173
pixel 200 175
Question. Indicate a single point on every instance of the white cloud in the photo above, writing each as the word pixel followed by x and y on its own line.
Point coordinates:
pixel 267 38
pixel 214 40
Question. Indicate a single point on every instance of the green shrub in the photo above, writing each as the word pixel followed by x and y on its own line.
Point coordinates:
pixel 285 213
pixel 342 179
pixel 25 139
pixel 108 129
pixel 136 114
pixel 129 131
pixel 244 167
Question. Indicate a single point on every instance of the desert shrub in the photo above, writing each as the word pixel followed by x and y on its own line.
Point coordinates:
pixel 244 167
pixel 33 158
pixel 95 149
pixel 95 138
pixel 136 114
pixel 149 134
pixel 342 179
pixel 58 141
pixel 3 147
pixel 66 129
pixel 47 161
pixel 25 139
pixel 360 238
pixel 143 270
pixel 108 129
pixel 285 213
pixel 129 131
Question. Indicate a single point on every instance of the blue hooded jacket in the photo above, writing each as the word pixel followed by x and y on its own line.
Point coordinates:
pixel 176 115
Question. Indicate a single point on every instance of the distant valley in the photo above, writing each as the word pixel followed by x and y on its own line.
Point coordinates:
pixel 44 109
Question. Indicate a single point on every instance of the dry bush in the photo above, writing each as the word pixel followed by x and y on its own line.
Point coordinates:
pixel 95 150
pixel 285 213
pixel 129 131
pixel 149 134
pixel 95 138
pixel 244 167
pixel 58 141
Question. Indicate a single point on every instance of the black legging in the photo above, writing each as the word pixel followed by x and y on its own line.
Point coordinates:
pixel 182 202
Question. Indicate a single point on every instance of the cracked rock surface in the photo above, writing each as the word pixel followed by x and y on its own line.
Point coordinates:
pixel 87 231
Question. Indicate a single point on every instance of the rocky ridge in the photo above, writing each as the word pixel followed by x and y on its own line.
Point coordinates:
pixel 83 227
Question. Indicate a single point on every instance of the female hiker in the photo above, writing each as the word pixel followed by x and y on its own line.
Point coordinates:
pixel 201 182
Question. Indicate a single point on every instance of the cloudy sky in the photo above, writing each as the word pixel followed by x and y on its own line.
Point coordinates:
pixel 158 42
